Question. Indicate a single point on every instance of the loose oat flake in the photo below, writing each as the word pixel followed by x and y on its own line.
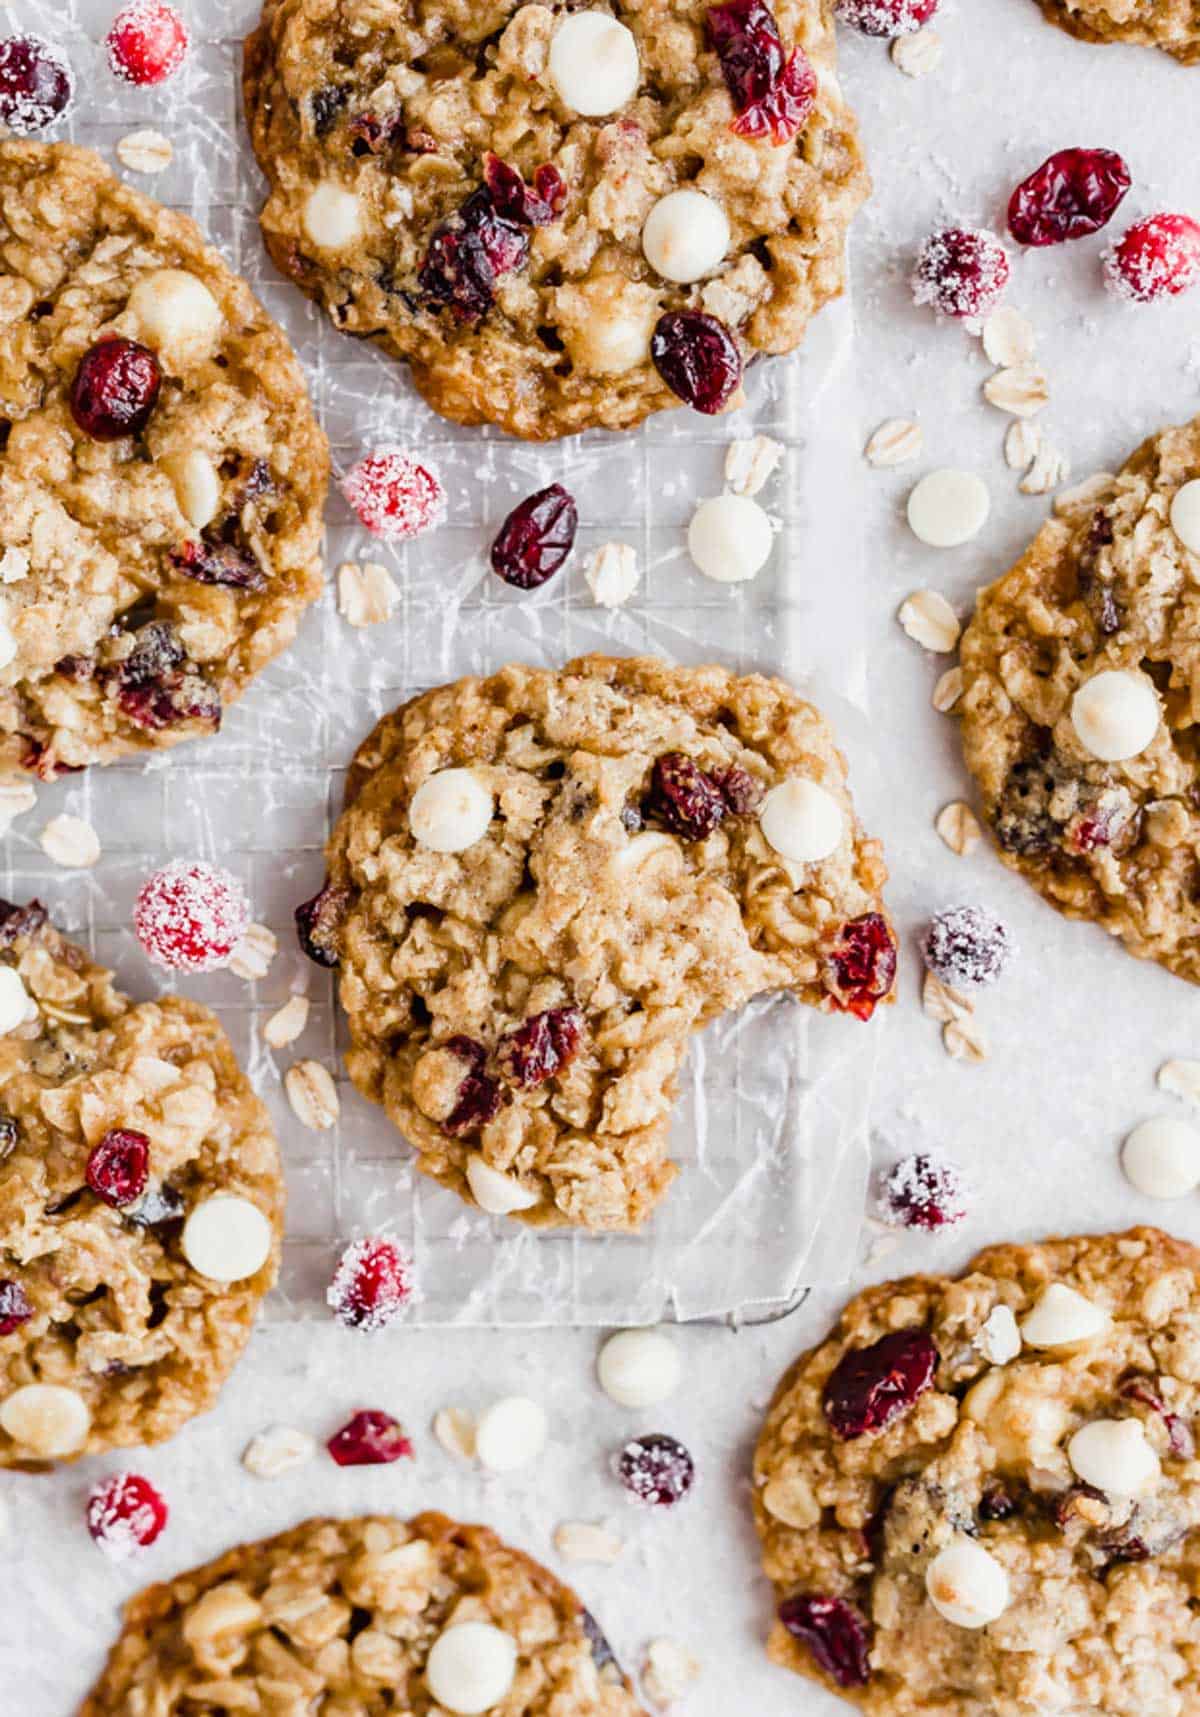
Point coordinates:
pixel 312 1095
pixel 252 957
pixel 280 1449
pixel 668 1672
pixel 948 690
pixel 146 151
pixel 71 842
pixel 1049 469
pixel 367 593
pixel 287 1023
pixel 930 621
pixel 895 443
pixel 1008 338
pixel 1022 440
pixel 942 1003
pixel 1022 391
pixel 16 797
pixel 749 464
pixel 963 1041
pixel 959 827
pixel 581 1541
pixel 454 1429
pixel 1181 1079
pixel 917 55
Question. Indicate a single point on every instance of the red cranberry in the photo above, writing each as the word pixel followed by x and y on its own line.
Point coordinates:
pixel 966 947
pixel 369 1439
pixel 772 93
pixel 478 1094
pixel 15 1307
pixel 468 254
pixel 147 43
pixel 514 200
pixel 861 965
pixel 115 388
pixel 218 563
pixel 1155 258
pixel 36 84
pixel 1072 194
pixel 961 272
pixel 372 1285
pixel 125 1514
pixel 698 358
pixel 871 1386
pixel 536 538
pixel 541 1048
pixel 656 1469
pixel 921 1192
pixel 18 921
pixel 119 1167
pixel 686 799
pixel 741 791
pixel 886 17
pixel 317 923
pixel 190 917
pixel 835 1632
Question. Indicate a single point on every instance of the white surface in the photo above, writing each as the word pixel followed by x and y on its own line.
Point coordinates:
pixel 1076 1028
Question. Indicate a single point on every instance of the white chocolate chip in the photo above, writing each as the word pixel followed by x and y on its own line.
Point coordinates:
pixel 958 826
pixel 1008 338
pixel 312 1095
pixel 252 957
pixel 510 1433
pixel 998 1338
pixel 668 1672
pixel 612 574
pixel 730 538
pixel 145 151
pixel 930 621
pixel 1161 1158
pixel 227 1238
pixel 498 1194
pixel 749 464
pixel 918 54
pixel 1022 441
pixel 367 593
pixel 948 508
pixel 1114 1456
pixel 580 1541
pixel 895 443
pixel 593 63
pixel 277 1451
pixel 197 486
pixel 1185 515
pixel 331 216
pixel 685 236
pixel 46 1418
pixel 1115 714
pixel 801 820
pixel 639 1367
pixel 14 566
pixel 1061 1317
pixel 287 1023
pixel 176 314
pixel 455 1431
pixel 71 842
pixel 966 1584
pixel 471 1667
pixel 1022 391
pixel 450 811
pixel 17 1006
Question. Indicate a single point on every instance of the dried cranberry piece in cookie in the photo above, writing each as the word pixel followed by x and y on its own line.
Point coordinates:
pixel 773 93
pixel 1180 1436
pixel 871 1386
pixel 836 1633
pixel 860 965
pixel 1156 258
pixel 17 921
pixel 698 358
pixel 1073 193
pixel 370 1439
pixel 146 43
pixel 190 916
pixel 656 1469
pixel 371 1286
pixel 326 106
pixel 996 1503
pixel 741 791
pixel 921 1192
pixel 468 254
pixel 395 495
pixel 115 388
pixel 125 1514
pixel 685 797
pixel 36 84
pixel 119 1167
pixel 223 563
pixel 15 1307
pixel 961 272
pixel 530 206
pixel 317 923
pixel 536 538
pixel 886 17
pixel 479 1096
pixel 541 1048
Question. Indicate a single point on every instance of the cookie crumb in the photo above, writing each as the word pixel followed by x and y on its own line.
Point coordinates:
pixel 668 1672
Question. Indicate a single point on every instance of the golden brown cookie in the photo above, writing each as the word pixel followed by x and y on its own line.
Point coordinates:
pixel 981 1493
pixel 357 1614
pixel 1173 25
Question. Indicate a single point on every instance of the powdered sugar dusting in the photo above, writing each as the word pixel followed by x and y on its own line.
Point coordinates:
pixel 395 494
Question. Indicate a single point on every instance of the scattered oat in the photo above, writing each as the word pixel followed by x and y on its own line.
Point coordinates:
pixel 930 621
pixel 963 1041
pixel 948 690
pixel 145 151
pixel 71 842
pixel 366 593
pixel 612 574
pixel 917 55
pixel 1022 391
pixel 749 464
pixel 287 1023
pixel 1022 441
pixel 942 1003
pixel 894 443
pixel 1048 470
pixel 312 1095
pixel 1008 338
pixel 959 827
pixel 252 957
pixel 580 1541
pixel 1084 494
pixel 16 797
pixel 14 565
pixel 454 1429
pixel 668 1672
pixel 1181 1079
pixel 277 1451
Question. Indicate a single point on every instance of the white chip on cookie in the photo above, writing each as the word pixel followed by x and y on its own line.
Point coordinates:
pixel 1114 1456
pixel 17 1006
pixel 470 1668
pixel 685 236
pixel 966 1584
pixel 593 63
pixel 639 1367
pixel 226 1238
pixel 730 538
pixel 510 1433
pixel 176 314
pixel 948 507
pixel 1115 714
pixel 1161 1158
pixel 1061 1317
pixel 46 1417
pixel 332 216
pixel 450 811
pixel 801 820
pixel 498 1194
pixel 197 485
pixel 1185 515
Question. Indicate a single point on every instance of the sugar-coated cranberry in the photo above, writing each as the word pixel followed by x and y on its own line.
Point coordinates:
pixel 961 272
pixel 1155 258
pixel 535 205
pixel 886 17
pixel 685 797
pixel 115 388
pixel 871 1386
pixel 773 93
pixel 146 43
pixel 215 562
pixel 317 924
pixel 966 947
pixel 922 1191
pixel 1073 193
pixel 540 1048
pixel 119 1167
pixel 860 965
pixel 372 1285
pixel 15 1307
pixel 395 494
pixel 190 916
pixel 836 1633
pixel 656 1469
pixel 36 84
pixel 125 1514
pixel 698 358
pixel 468 254
pixel 536 538
pixel 369 1439
pixel 479 1095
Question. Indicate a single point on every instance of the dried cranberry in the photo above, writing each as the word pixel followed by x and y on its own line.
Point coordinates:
pixel 158 1208
pixel 77 668
pixel 115 388
pixel 468 254
pixel 772 93
pixel 996 1503
pixel 317 923
pixel 961 272
pixel 125 1513
pixel 154 688
pixel 17 921
pixel 536 538
pixel 741 791
pixel 326 104
pixel 835 1632
pixel 372 1285
pixel 15 1307
pixel 36 84
pixel 372 133
pixel 1156 258
pixel 1073 193
pixel 1180 1436
pixel 886 17
pixel 861 965
pixel 369 1439
pixel 541 1048
pixel 119 1167
pixel 686 799
pixel 478 1096
pixel 218 563
pixel 656 1469
pixel 698 358
pixel 922 1192
pixel 513 200
pixel 871 1386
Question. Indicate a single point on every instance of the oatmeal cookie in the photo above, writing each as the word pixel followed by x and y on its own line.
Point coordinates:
pixel 127 1130
pixel 162 476
pixel 544 882
pixel 1086 649
pixel 981 1493
pixel 1173 25
pixel 372 1615
pixel 470 186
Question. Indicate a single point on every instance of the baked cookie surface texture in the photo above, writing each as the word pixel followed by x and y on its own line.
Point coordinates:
pixel 1173 25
